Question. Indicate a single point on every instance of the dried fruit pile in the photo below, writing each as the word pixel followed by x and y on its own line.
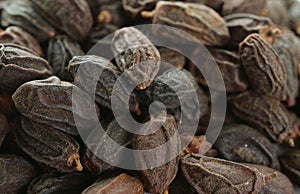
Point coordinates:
pixel 44 54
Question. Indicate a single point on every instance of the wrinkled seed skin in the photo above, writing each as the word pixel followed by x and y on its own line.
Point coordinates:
pixel 57 113
pixel 263 67
pixel 241 143
pixel 136 56
pixel 19 65
pixel 51 148
pixel 120 184
pixel 198 20
pixel 73 17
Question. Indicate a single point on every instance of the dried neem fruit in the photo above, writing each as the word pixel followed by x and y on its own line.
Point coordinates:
pixel 241 143
pixel 230 67
pixel 241 25
pixel 54 183
pixel 198 20
pixel 16 35
pixel 4 127
pixel 120 184
pixel 170 59
pixel 51 148
pixel 52 103
pixel 61 50
pixel 279 185
pixel 135 7
pixel 274 9
pixel 94 68
pixel 99 143
pixel 175 89
pixel 266 114
pixel 212 175
pixel 263 67
pixel 136 56
pixel 290 165
pixel 15 172
pixel 21 13
pixel 158 179
pixel 71 17
pixel 19 65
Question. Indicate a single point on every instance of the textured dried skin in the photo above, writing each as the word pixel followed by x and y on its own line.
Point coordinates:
pixel 54 105
pixel 294 16
pixel 211 175
pixel 15 173
pixel 135 7
pixel 72 17
pixel 175 89
pixel 290 165
pixel 61 50
pixel 198 20
pixel 4 128
pixel 136 55
pixel 158 179
pixel 263 67
pixel 241 143
pixel 266 114
pixel 172 59
pixel 90 66
pixel 49 147
pixel 279 185
pixel 285 53
pixel 241 25
pixel 17 35
pixel 21 13
pixel 256 7
pixel 120 184
pixel 231 70
pixel 52 183
pixel 100 146
pixel 19 65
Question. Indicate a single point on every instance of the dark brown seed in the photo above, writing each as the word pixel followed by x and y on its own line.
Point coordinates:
pixel 241 25
pixel 99 143
pixel 4 128
pixel 136 55
pixel 266 114
pixel 17 35
pixel 212 175
pixel 93 68
pixel 290 165
pixel 241 143
pixel 15 173
pixel 170 59
pixel 120 184
pixel 263 67
pixel 51 148
pixel 21 13
pixel 61 50
pixel 158 179
pixel 19 65
pixel 71 17
pixel 198 20
pixel 52 103
pixel 279 185
pixel 231 70
pixel 54 183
